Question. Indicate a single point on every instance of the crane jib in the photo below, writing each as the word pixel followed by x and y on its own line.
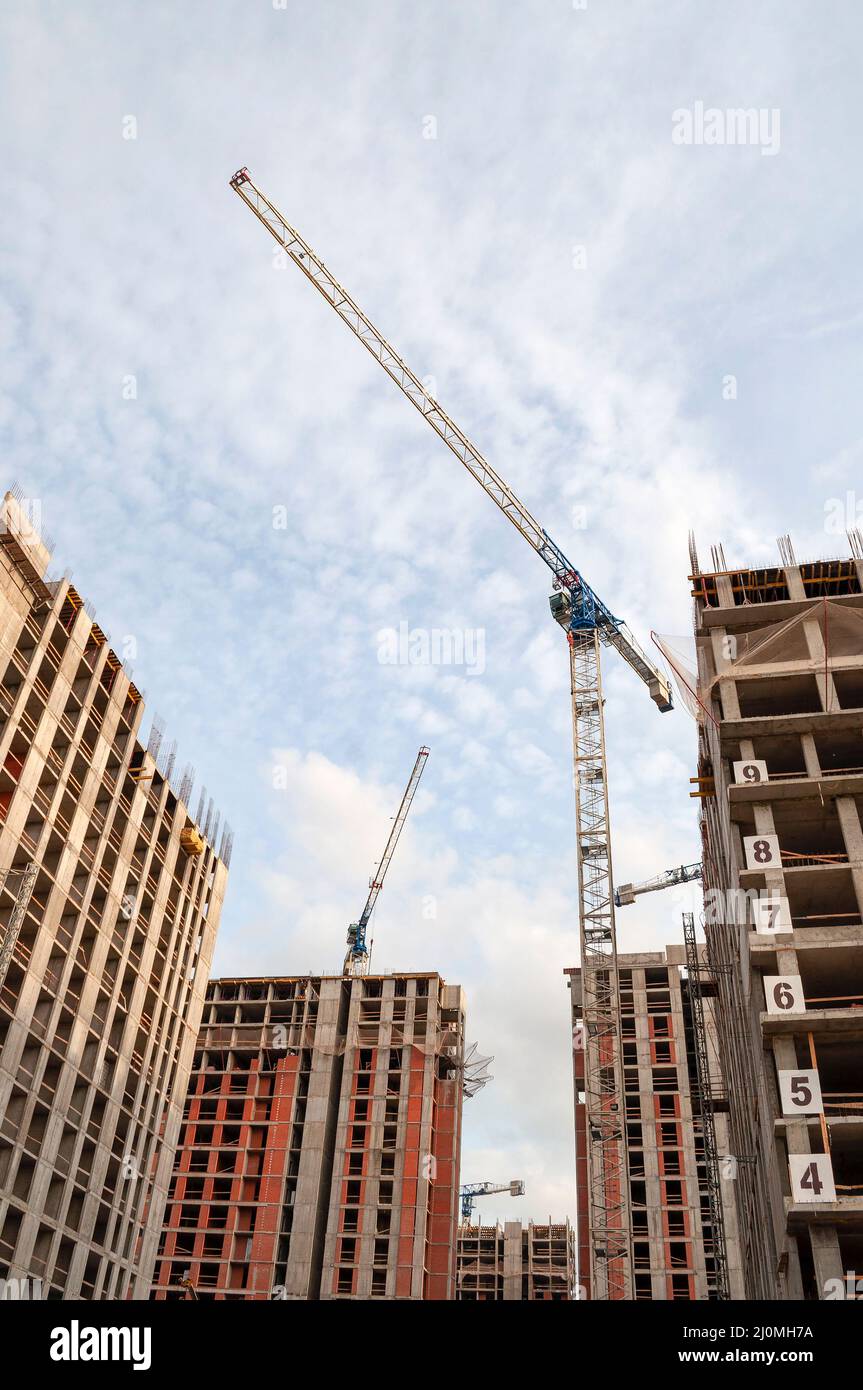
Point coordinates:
pixel 587 612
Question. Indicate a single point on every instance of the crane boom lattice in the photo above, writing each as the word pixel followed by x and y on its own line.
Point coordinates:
pixel 683 873
pixel 357 958
pixel 704 1118
pixel 469 1192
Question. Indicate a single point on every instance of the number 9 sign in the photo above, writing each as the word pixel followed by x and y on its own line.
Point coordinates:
pixel 750 771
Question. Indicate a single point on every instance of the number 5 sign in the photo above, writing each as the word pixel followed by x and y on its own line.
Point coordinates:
pixel 811 1178
pixel 784 994
pixel 762 851
pixel 800 1092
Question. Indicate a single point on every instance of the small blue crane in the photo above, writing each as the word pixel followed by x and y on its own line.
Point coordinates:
pixel 471 1190
pixel 357 958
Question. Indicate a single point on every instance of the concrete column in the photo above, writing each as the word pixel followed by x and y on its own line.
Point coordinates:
pixel 815 643
pixel 725 671
pixel 792 1277
pixel 810 755
pixel 826 1255
pixel 512 1241
pixel 849 820
pixel 794 580
pixel 724 591
pixel 764 824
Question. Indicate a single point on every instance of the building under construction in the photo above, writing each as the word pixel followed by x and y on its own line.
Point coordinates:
pixel 102 978
pixel 778 693
pixel 516 1263
pixel 320 1153
pixel 684 1232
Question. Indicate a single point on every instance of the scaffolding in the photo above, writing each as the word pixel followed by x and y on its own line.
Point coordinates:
pixel 17 915
pixel 702 1112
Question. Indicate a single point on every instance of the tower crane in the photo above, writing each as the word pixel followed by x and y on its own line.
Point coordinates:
pixel 471 1190
pixel 628 892
pixel 357 958
pixel 588 622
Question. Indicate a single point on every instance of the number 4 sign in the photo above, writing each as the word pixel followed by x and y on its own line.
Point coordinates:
pixel 811 1178
pixel 784 994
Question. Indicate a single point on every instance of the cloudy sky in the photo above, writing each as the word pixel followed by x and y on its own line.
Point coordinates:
pixel 644 334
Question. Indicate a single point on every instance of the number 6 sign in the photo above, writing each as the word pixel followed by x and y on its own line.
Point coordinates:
pixel 784 994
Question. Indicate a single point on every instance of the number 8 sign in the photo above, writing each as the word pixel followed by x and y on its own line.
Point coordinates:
pixel 762 852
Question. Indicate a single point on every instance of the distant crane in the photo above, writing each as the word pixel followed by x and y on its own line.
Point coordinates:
pixel 357 958
pixel 471 1190
pixel 628 892
pixel 587 622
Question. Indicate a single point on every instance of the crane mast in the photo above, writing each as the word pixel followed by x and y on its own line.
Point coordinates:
pixel 587 622
pixel 357 958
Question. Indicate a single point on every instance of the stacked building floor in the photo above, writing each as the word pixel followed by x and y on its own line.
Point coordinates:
pixel 779 697
pixel 320 1153
pixel 102 978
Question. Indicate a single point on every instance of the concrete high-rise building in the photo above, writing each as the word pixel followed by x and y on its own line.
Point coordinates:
pixel 320 1153
pixel 102 997
pixel 778 693
pixel 516 1263
pixel 678 1196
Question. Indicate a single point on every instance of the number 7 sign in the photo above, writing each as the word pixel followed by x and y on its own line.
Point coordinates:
pixel 771 913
